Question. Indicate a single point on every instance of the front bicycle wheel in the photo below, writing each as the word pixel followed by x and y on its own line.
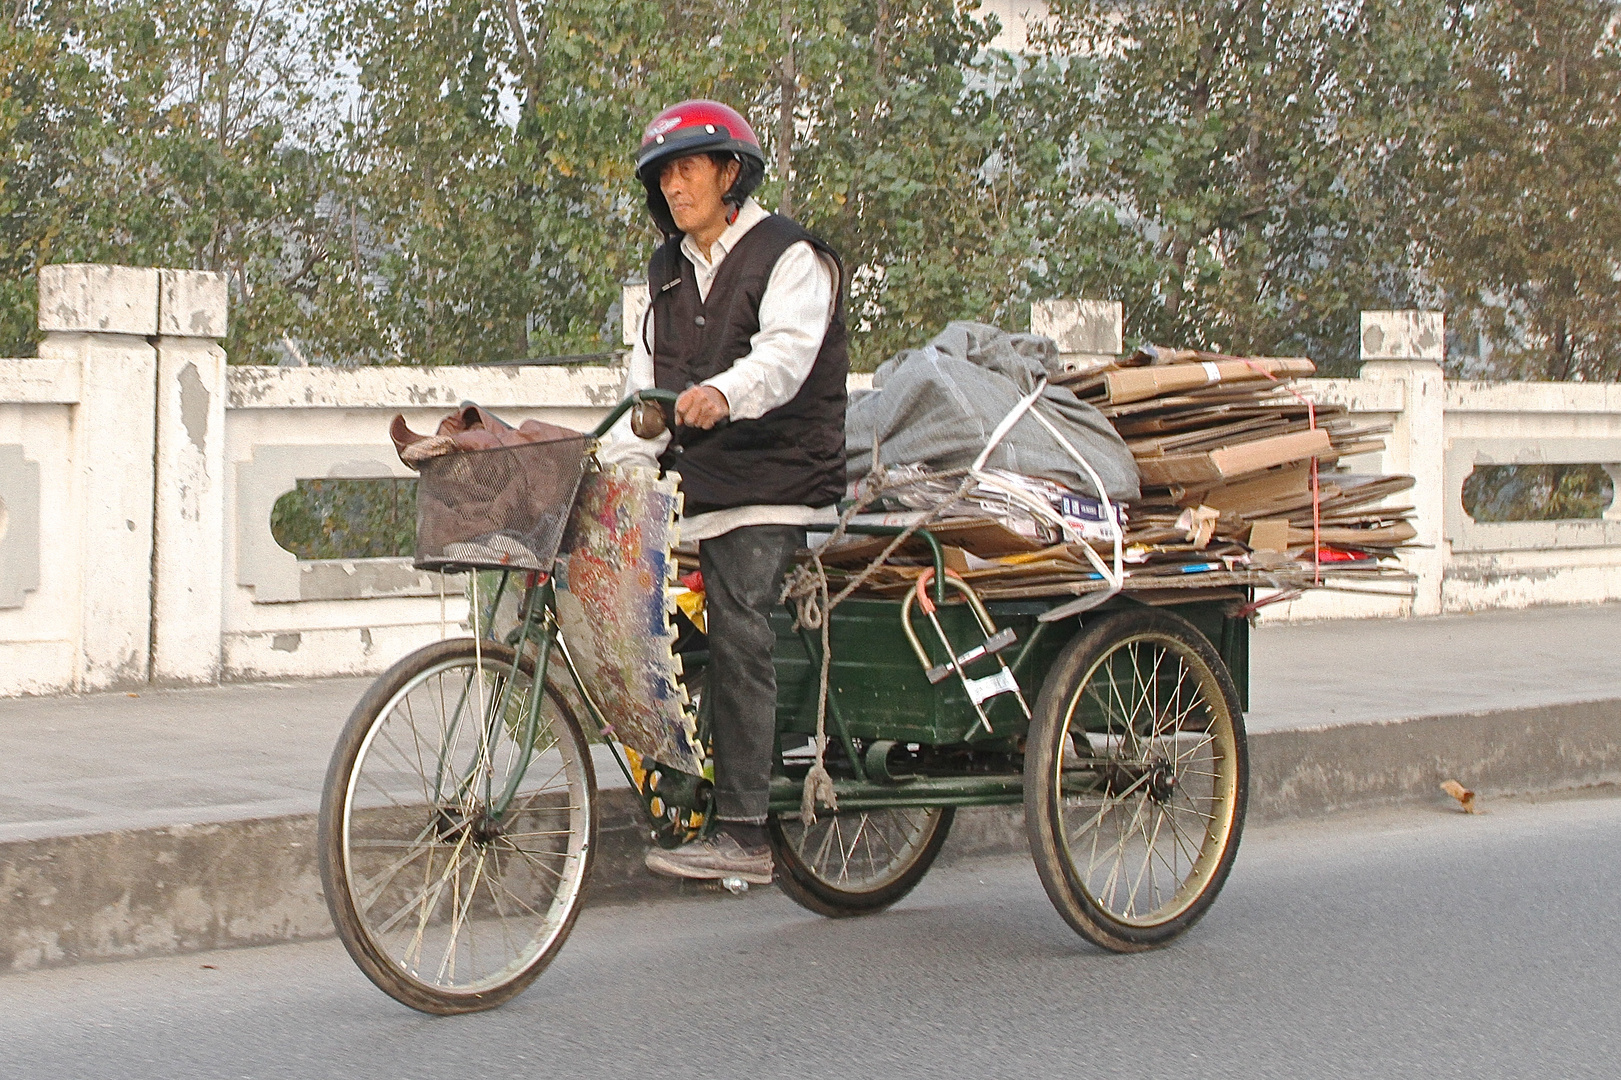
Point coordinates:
pixel 457 827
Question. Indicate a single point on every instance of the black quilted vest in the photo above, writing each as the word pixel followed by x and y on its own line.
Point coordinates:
pixel 794 454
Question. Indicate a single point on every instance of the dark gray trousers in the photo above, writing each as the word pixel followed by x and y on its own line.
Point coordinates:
pixel 743 572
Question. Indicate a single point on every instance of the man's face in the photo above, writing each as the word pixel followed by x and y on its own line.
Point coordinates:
pixel 693 187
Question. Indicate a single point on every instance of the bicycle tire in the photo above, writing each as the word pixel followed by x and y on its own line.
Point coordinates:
pixel 532 852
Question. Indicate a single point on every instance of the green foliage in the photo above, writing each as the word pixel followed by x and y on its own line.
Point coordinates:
pixel 162 133
pixel 1521 199
pixel 48 100
pixel 503 184
pixel 1254 156
pixel 347 519
pixel 915 176
pixel 1537 492
pixel 449 181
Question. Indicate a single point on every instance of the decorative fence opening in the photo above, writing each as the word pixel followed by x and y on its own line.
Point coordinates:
pixel 347 519
pixel 1537 493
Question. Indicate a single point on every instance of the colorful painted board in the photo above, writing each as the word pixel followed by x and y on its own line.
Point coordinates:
pixel 612 600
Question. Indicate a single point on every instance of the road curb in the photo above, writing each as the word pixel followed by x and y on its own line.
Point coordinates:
pixel 1305 772
pixel 189 888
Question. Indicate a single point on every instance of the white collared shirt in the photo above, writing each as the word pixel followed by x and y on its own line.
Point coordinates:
pixel 795 311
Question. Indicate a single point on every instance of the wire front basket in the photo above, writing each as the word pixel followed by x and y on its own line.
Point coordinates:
pixel 501 509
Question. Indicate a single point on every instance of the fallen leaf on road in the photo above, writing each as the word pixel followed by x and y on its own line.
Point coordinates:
pixel 1465 797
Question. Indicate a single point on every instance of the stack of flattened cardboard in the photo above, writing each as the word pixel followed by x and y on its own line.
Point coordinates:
pixel 1228 454
pixel 1226 450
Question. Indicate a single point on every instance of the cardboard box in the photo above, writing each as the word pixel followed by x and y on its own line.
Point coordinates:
pixel 1270 534
pixel 1140 384
pixel 1258 490
pixel 1231 461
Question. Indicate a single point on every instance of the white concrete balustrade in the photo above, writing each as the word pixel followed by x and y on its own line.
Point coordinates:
pixel 138 473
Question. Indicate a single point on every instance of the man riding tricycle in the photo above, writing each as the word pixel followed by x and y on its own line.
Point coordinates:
pixel 797 727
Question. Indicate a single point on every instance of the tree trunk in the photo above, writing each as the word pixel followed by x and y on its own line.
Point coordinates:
pixel 1561 353
pixel 1181 247
pixel 879 43
pixel 531 56
pixel 1179 272
pixel 225 80
pixel 788 81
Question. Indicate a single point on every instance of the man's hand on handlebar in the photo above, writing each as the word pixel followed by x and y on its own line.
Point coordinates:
pixel 701 407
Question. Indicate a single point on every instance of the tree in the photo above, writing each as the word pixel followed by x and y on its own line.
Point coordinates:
pixel 916 172
pixel 169 134
pixel 492 160
pixel 1254 156
pixel 490 163
pixel 1520 222
pixel 1245 175
pixel 48 96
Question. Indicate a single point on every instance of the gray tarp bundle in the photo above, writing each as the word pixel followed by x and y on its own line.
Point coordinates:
pixel 939 404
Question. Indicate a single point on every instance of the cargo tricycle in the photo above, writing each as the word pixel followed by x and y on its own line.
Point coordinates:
pixel 461 809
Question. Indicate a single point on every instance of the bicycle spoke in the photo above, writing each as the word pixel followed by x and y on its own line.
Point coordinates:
pixel 861 851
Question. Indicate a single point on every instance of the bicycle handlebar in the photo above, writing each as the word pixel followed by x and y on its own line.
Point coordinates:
pixel 667 399
pixel 653 395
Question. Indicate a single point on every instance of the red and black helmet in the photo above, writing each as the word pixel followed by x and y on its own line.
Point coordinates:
pixel 697 127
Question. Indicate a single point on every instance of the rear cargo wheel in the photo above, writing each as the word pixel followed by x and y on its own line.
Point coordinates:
pixel 1136 776
pixel 856 862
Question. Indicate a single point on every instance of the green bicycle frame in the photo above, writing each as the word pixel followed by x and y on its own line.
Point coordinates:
pixel 538 626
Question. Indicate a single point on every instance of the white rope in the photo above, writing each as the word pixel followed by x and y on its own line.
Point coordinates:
pixel 813 610
pixel 1113 575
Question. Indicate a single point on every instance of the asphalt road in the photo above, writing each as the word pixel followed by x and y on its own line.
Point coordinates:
pixel 1414 943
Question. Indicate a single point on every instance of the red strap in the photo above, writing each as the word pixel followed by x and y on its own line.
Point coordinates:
pixel 1316 497
pixel 923 580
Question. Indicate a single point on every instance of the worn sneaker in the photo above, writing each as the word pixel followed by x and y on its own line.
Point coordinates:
pixel 721 856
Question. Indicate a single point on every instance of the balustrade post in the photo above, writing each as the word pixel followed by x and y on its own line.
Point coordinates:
pixel 1087 331
pixel 188 565
pixel 102 318
pixel 1408 347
